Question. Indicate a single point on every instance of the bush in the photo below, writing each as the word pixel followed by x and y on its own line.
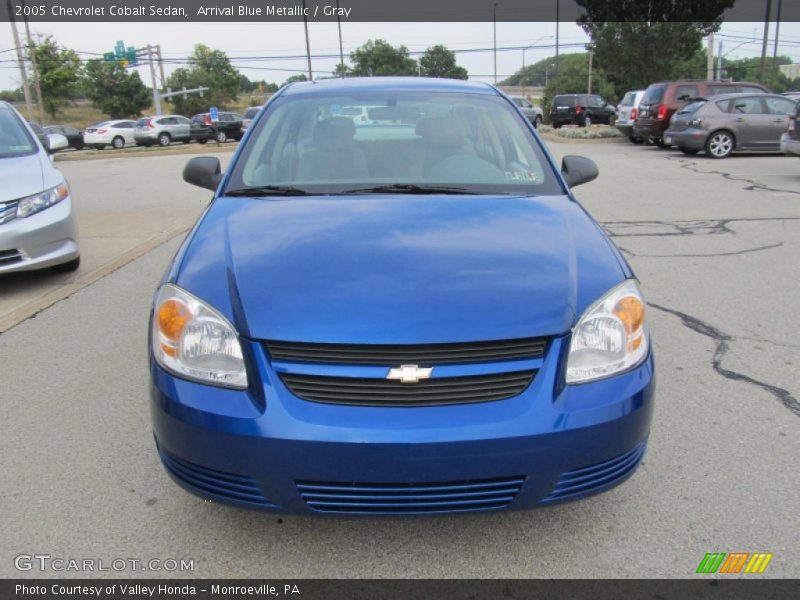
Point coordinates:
pixel 583 133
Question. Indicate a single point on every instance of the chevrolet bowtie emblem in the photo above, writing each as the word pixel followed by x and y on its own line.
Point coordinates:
pixel 409 373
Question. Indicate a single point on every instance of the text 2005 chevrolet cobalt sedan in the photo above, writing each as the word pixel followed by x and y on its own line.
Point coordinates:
pixel 394 305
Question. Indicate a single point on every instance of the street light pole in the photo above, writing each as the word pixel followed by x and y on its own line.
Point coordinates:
pixel 341 49
pixel 308 45
pixel 22 73
pixel 532 44
pixel 494 27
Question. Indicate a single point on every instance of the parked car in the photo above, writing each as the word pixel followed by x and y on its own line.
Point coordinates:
pixel 117 133
pixel 162 130
pixel 661 101
pixel 729 122
pixel 249 115
pixel 533 113
pixel 580 109
pixel 790 141
pixel 228 127
pixel 792 95
pixel 627 111
pixel 37 225
pixel 74 136
pixel 421 319
pixel 39 132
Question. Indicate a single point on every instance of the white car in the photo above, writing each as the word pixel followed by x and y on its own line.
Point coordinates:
pixel 118 133
pixel 37 224
pixel 627 111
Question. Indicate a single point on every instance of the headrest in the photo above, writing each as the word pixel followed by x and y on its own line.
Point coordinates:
pixel 336 132
pixel 441 131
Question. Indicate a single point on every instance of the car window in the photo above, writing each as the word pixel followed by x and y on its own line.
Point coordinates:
pixel 14 137
pixel 567 101
pixel 750 89
pixel 143 122
pixel 654 94
pixel 684 92
pixel 724 105
pixel 122 125
pixel 747 106
pixel 627 99
pixel 475 141
pixel 71 131
pixel 780 106
pixel 182 121
pixel 691 107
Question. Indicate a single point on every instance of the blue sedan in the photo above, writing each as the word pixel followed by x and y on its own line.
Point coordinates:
pixel 394 305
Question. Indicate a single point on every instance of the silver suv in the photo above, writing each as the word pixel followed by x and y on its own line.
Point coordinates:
pixel 532 113
pixel 162 130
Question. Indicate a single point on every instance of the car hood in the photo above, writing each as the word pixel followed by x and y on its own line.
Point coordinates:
pixel 398 269
pixel 23 176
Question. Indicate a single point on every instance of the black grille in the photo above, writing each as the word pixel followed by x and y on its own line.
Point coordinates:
pixel 416 354
pixel 430 392
pixel 10 256
pixel 410 498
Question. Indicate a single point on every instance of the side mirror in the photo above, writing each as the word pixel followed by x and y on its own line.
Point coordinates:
pixel 203 171
pixel 55 142
pixel 578 169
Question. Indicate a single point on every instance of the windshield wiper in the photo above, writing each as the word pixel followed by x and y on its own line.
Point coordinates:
pixel 269 190
pixel 410 188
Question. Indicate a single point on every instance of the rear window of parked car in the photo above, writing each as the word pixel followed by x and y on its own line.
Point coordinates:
pixel 627 99
pixel 564 101
pixel 654 94
pixel 684 92
pixel 780 106
pixel 692 107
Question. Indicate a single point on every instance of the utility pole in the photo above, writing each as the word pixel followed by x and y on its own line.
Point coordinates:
pixel 494 28
pixel 718 70
pixel 308 44
pixel 557 40
pixel 710 58
pixel 22 73
pixel 590 48
pixel 156 94
pixel 764 44
pixel 160 64
pixel 341 48
pixel 777 33
pixel 36 78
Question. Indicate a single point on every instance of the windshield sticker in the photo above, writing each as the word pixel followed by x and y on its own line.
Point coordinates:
pixel 522 176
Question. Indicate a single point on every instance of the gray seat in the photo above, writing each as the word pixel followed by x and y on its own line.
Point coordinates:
pixel 334 154
pixel 443 138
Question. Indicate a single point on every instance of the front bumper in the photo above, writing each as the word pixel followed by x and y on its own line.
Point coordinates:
pixel 42 240
pixel 693 139
pixel 265 448
pixel 790 145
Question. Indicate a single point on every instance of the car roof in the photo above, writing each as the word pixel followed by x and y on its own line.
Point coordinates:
pixel 384 84
pixel 741 95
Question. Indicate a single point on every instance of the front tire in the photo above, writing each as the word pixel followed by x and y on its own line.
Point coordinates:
pixel 720 144
pixel 68 267
pixel 537 121
pixel 221 137
pixel 164 139
pixel 587 121
pixel 118 143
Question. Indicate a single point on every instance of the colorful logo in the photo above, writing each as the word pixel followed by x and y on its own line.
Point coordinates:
pixel 734 562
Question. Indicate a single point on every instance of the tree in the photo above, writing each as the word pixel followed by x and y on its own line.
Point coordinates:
pixel 747 69
pixel 118 93
pixel 209 68
pixel 638 42
pixel 573 78
pixel 59 73
pixel 438 61
pixel 535 75
pixel 294 78
pixel 379 58
pixel 16 95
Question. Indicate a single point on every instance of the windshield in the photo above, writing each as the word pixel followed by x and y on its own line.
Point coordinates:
pixel 14 137
pixel 338 143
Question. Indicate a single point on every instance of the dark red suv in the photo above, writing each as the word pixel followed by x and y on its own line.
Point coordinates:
pixel 662 99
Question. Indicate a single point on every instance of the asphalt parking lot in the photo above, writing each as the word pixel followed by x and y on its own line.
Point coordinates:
pixel 715 244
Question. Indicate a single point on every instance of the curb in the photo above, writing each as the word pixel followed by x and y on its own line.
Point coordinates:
pixel 144 152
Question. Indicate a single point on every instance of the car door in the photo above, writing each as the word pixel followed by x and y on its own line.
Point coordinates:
pixel 750 122
pixel 780 109
pixel 183 128
pixel 126 130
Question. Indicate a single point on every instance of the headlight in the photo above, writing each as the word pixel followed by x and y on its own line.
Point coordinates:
pixel 610 337
pixel 38 202
pixel 193 340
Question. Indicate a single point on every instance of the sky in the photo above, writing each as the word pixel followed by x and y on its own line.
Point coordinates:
pixel 242 41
